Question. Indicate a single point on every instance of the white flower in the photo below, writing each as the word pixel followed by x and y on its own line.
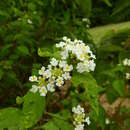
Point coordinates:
pixel 64 55
pixel 60 45
pixel 34 88
pixel 92 65
pixel 59 81
pixel 69 47
pixel 43 91
pixel 81 56
pixel 85 19
pixel 126 62
pixel 29 21
pixel 50 87
pixel 62 64
pixel 129 62
pixel 128 76
pixel 92 55
pixel 107 121
pixel 47 73
pixel 41 71
pixel 32 78
pixel 79 118
pixel 50 67
pixel 87 26
pixel 79 127
pixel 65 38
pixel 87 120
pixel 68 68
pixel 54 62
pixel 81 67
pixel 79 50
pixel 66 76
pixel 78 110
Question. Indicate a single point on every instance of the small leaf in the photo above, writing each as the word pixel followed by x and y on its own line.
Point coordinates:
pixel 44 52
pixel 23 50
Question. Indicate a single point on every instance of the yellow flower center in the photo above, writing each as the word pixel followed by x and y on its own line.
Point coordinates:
pixel 79 118
pixel 57 72
pixel 43 91
pixel 59 81
pixel 81 56
pixel 42 82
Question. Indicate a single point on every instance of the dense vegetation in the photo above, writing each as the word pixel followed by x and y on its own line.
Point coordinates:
pixel 29 31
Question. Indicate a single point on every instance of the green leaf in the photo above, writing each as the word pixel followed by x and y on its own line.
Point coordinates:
pixel 119 86
pixel 59 121
pixel 110 48
pixel 5 50
pixel 10 118
pixel 98 33
pixel 63 125
pixel 120 6
pixel 85 6
pixel 91 88
pixel 33 108
pixel 45 52
pixel 23 50
pixel 50 125
pixel 107 2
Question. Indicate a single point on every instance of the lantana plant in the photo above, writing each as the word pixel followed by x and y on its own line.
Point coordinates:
pixel 76 58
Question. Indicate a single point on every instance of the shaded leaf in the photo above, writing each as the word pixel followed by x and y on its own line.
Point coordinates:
pixel 91 88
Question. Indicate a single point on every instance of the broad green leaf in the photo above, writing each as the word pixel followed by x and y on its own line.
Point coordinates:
pixel 63 125
pixel 33 108
pixel 58 124
pixel 59 121
pixel 91 88
pixel 98 33
pixel 10 118
pixel 50 125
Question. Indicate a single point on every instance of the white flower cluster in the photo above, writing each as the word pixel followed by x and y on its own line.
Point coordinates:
pixel 126 62
pixel 77 49
pixel 79 118
pixel 107 121
pixel 55 75
pixel 128 76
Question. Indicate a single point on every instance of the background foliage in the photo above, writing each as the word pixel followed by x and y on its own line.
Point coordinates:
pixel 30 28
